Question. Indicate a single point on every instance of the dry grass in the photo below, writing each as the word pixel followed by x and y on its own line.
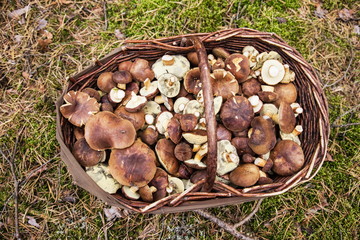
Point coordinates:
pixel 32 75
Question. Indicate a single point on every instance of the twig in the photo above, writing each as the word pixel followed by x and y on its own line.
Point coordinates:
pixel 227 227
pixel 345 125
pixel 248 217
pixel 347 112
pixel 105 15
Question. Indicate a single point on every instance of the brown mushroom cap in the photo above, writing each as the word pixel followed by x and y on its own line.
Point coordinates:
pixel 237 113
pixel 224 84
pixel 241 145
pixel 133 166
pixel 141 70
pixel 160 182
pixel 184 171
pixel 174 130
pixel 125 65
pixel 262 138
pixel 106 130
pixel 286 93
pixel 251 87
pixel 245 175
pixel 192 82
pixel 146 193
pixel 198 176
pixel 92 93
pixel 149 136
pixel 105 82
pixel 218 64
pixel 287 120
pixel 122 77
pixel 288 158
pixel 183 151
pixel 136 118
pixel 78 133
pixel 188 122
pixel 79 107
pixel 165 152
pixel 267 97
pixel 220 52
pixel 222 133
pixel 239 66
pixel 86 156
pixel 193 58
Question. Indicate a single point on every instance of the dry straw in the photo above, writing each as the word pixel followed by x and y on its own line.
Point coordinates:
pixel 210 193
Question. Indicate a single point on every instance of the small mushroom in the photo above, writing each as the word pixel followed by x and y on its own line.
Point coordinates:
pixel 183 151
pixel 245 175
pixel 289 75
pixel 272 72
pixel 150 89
pixel 256 103
pixel 125 66
pixel 151 108
pixel 146 193
pixel 262 138
pixel 140 70
pixel 220 52
pixel 165 152
pixel 193 58
pixel 92 93
pixel 78 133
pixel 149 135
pixel 237 113
pixel 86 156
pixel 162 121
pixel 251 87
pixel 121 78
pixel 222 133
pixel 160 182
pixel 100 173
pixel 196 137
pixel 196 162
pixel 136 103
pixel 296 108
pixel 250 52
pixel 173 130
pixel 130 192
pixel 268 165
pixel 105 82
pixel 176 65
pixel 242 146
pixel 180 103
pixel 293 136
pixel 79 107
pixel 227 157
pixel 106 130
pixel 194 107
pixel 270 110
pixel 239 66
pixel 264 179
pixel 285 118
pixel 224 83
pixel 218 64
pixel 175 185
pixel 192 82
pixel 267 96
pixel 288 158
pixel 286 93
pixel 133 166
pixel 116 95
pixel 188 122
pixel 247 158
pixel 168 85
pixel 184 172
pixel 136 118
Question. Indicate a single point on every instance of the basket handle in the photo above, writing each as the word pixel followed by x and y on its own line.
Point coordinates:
pixel 209 113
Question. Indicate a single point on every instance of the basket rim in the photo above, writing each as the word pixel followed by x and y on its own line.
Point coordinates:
pixel 308 172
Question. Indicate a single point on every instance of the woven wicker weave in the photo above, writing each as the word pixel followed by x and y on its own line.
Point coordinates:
pixel 310 96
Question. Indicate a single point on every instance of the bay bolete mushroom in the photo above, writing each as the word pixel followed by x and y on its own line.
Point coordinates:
pixel 239 66
pixel 262 138
pixel 135 103
pixel 105 82
pixel 272 72
pixel 160 182
pixel 288 158
pixel 251 87
pixel 121 78
pixel 222 133
pixel 140 70
pixel 136 118
pixel 150 89
pixel 285 118
pixel 149 135
pixel 183 151
pixel 165 152
pixel 192 82
pixel 245 175
pixel 133 166
pixel 224 83
pixel 173 130
pixel 79 107
pixel 188 122
pixel 106 130
pixel 86 156
pixel 237 113
pixel 286 93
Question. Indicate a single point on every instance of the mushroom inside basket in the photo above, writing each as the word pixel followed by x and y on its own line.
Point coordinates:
pixel 194 121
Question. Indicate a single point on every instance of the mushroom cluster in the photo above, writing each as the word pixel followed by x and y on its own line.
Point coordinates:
pixel 141 132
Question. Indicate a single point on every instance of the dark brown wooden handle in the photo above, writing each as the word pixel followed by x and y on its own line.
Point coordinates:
pixel 209 113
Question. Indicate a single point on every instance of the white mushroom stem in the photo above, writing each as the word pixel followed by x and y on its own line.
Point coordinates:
pixel 211 57
pixel 171 81
pixel 297 130
pixel 263 174
pixel 121 86
pixel 265 156
pixel 256 103
pixel 196 147
pixel 149 119
pixel 260 162
pixel 134 189
pixel 168 60
pixel 116 95
pixel 202 122
pixel 267 88
pixel 250 132
pixel 296 108
pixel 152 126
pixel 152 189
pixel 159 99
pixel 147 83
pixel 201 153
pixel 197 114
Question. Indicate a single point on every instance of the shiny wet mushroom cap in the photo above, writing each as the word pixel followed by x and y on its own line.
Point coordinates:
pixel 165 152
pixel 224 84
pixel 106 130
pixel 136 118
pixel 262 138
pixel 133 166
pixel 160 182
pixel 86 156
pixel 237 113
pixel 79 107
pixel 245 175
pixel 140 70
pixel 105 82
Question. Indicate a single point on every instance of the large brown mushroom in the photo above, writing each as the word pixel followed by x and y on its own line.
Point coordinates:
pixel 160 182
pixel 224 83
pixel 286 93
pixel 133 166
pixel 86 156
pixel 239 66
pixel 237 113
pixel 245 175
pixel 136 118
pixel 105 82
pixel 286 118
pixel 262 138
pixel 288 158
pixel 140 70
pixel 165 152
pixel 106 130
pixel 79 107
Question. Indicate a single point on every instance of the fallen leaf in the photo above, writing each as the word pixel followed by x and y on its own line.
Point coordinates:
pixel 281 19
pixel 69 199
pixel 356 29
pixel 45 39
pixel 32 221
pixel 119 35
pixel 346 14
pixel 115 212
pixel 17 13
pixel 41 24
pixel 319 12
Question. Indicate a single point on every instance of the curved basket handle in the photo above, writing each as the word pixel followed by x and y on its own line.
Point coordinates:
pixel 209 113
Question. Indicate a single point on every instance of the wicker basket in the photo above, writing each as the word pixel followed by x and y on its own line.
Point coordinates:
pixel 310 96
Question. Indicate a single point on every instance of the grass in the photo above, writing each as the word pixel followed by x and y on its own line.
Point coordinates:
pixel 31 79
